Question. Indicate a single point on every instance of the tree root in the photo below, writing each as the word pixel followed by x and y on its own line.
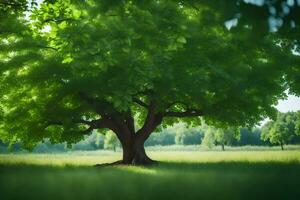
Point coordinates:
pixel 119 162
pixel 148 162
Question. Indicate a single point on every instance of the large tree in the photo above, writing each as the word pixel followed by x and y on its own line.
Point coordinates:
pixel 132 66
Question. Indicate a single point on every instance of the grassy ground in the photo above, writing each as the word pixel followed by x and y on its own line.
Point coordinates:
pixel 181 175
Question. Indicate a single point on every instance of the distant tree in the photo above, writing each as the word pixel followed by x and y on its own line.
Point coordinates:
pixel 282 130
pixel 186 135
pixel 250 137
pixel 163 137
pixel 209 137
pixel 111 141
pixel 192 136
pixel 89 143
pixel 100 141
pixel 179 130
pixel 297 124
pixel 226 136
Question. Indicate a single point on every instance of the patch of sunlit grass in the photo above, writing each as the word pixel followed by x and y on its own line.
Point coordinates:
pixel 138 170
pixel 228 156
pixel 60 159
pixel 98 157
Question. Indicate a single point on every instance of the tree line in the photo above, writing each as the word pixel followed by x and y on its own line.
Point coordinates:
pixel 282 131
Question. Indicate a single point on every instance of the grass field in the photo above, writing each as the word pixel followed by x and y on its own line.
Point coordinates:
pixel 260 174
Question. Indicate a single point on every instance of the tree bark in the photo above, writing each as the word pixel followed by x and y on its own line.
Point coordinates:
pixel 133 146
pixel 134 152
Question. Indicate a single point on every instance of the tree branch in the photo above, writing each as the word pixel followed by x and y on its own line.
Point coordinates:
pixel 58 20
pixel 110 117
pixel 47 47
pixel 174 103
pixel 87 131
pixel 140 102
pixel 188 113
pixel 153 119
pixel 94 124
pixel 93 102
pixel 144 92
pixel 129 121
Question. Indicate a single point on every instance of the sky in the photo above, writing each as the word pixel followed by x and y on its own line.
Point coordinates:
pixel 290 104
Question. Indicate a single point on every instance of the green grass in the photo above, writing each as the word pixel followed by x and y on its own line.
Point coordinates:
pixel 181 175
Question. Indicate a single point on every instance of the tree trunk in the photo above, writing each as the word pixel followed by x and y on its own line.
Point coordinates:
pixel 281 145
pixel 133 142
pixel 223 147
pixel 134 152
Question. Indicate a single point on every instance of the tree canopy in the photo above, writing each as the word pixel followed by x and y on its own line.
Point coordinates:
pixel 129 66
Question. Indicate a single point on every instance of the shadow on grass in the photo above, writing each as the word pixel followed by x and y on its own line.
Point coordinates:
pixel 166 180
pixel 228 165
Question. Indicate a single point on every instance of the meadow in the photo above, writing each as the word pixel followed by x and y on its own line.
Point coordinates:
pixel 250 173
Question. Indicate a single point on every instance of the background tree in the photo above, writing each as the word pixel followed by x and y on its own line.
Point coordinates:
pixel 250 137
pixel 282 130
pixel 225 136
pixel 164 137
pixel 297 123
pixel 111 141
pixel 209 138
pixel 100 141
pixel 131 66
pixel 191 136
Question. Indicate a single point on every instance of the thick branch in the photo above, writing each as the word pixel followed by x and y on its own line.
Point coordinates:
pixel 99 123
pixel 87 131
pixel 59 123
pixel 93 102
pixel 94 124
pixel 52 122
pixel 146 92
pixel 174 103
pixel 188 113
pixel 140 102
pixel 153 119
pixel 120 123
pixel 58 20
pixel 130 122
pixel 48 47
